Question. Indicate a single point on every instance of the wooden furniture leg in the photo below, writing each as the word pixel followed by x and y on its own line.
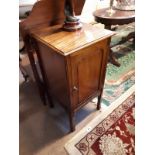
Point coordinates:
pixel 49 99
pixel 45 85
pixel 36 75
pixel 113 59
pixel 72 121
pixel 99 102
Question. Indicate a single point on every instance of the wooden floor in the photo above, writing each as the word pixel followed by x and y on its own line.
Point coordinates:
pixel 44 131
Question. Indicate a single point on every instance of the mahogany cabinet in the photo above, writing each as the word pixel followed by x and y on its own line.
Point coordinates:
pixel 73 64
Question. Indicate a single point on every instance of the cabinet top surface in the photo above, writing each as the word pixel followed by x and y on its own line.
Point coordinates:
pixel 66 43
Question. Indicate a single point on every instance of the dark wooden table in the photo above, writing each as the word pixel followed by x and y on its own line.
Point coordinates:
pixel 116 17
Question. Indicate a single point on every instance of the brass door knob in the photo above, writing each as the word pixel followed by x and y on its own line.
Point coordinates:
pixel 75 88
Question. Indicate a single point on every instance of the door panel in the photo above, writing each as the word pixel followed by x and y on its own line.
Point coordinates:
pixel 86 73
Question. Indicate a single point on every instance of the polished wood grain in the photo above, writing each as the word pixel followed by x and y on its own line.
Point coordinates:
pixel 86 66
pixel 68 42
pixel 116 17
pixel 55 73
pixel 75 71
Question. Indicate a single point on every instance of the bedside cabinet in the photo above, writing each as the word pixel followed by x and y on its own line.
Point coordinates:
pixel 73 64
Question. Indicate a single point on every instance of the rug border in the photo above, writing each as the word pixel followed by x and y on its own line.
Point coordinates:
pixel 69 146
pixel 128 75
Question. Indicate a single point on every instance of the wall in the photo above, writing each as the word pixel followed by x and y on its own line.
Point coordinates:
pixel 89 7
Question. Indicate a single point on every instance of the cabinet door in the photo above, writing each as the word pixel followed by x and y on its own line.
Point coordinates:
pixel 88 70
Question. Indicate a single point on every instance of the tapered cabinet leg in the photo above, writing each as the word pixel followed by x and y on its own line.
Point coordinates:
pixel 49 99
pixel 99 102
pixel 72 121
pixel 37 78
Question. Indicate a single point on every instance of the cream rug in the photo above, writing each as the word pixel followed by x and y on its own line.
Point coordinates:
pixel 70 145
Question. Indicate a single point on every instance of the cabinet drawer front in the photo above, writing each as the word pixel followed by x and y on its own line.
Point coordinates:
pixel 87 71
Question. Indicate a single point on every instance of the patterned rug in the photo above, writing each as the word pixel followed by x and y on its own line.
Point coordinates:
pixel 110 133
pixel 126 57
pixel 119 79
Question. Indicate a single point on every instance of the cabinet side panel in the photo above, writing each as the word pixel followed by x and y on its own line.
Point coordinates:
pixel 55 72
